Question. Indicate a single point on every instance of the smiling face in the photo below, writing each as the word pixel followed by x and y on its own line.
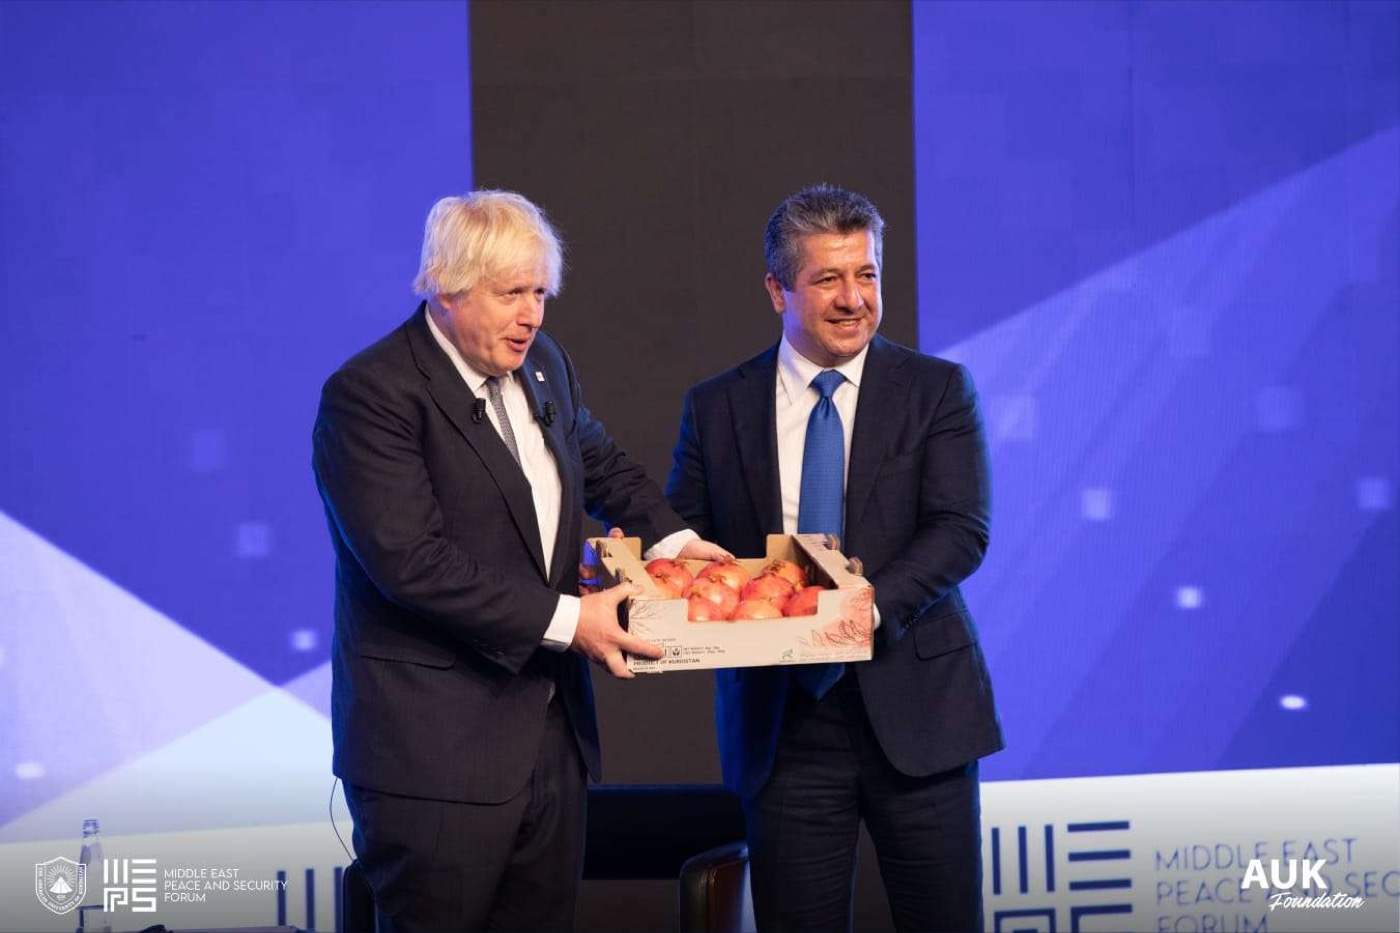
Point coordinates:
pixel 494 324
pixel 833 309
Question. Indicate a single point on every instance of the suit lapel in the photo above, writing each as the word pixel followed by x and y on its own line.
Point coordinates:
pixel 751 403
pixel 456 401
pixel 882 394
pixel 539 392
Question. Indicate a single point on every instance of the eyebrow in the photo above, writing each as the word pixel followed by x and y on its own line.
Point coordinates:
pixel 861 268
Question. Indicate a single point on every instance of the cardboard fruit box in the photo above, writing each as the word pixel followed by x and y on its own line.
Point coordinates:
pixel 839 631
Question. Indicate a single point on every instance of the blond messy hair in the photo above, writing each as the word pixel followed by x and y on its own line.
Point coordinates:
pixel 486 236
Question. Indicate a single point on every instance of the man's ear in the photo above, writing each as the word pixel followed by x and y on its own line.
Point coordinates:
pixel 775 293
pixel 437 306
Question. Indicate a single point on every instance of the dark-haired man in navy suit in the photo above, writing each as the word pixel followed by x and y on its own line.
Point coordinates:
pixel 838 430
pixel 455 458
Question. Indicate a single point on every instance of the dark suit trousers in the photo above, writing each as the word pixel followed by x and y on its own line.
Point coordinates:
pixel 439 865
pixel 804 824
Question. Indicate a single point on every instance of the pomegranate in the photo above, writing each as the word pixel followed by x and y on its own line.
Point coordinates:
pixel 724 598
pixel 803 602
pixel 769 586
pixel 668 587
pixel 788 571
pixel 756 609
pixel 728 572
pixel 700 609
pixel 672 570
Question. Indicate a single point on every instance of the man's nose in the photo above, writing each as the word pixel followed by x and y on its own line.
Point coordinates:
pixel 532 313
pixel 850 296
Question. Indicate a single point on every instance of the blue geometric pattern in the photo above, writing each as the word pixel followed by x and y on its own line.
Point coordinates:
pixel 1191 450
pixel 196 229
pixel 1194 446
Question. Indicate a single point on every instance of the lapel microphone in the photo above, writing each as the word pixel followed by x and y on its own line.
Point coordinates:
pixel 547 416
pixel 478 410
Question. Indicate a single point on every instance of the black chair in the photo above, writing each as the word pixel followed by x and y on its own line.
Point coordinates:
pixel 639 831
pixel 714 892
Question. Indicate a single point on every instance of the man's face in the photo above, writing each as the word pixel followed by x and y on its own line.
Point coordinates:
pixel 494 324
pixel 833 310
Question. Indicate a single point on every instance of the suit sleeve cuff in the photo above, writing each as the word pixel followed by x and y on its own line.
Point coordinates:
pixel 562 627
pixel 671 545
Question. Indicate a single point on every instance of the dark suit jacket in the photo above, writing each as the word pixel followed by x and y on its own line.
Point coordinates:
pixel 440 684
pixel 917 509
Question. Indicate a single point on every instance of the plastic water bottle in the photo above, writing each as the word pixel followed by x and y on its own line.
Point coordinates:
pixel 91 856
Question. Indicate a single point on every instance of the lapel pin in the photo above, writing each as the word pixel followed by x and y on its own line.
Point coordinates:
pixel 539 376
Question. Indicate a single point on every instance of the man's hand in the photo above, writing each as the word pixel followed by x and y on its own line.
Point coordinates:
pixel 700 549
pixel 600 639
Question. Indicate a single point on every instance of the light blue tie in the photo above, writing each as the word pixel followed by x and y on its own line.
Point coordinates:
pixel 823 497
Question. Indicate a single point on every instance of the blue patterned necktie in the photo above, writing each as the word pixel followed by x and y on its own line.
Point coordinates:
pixel 823 499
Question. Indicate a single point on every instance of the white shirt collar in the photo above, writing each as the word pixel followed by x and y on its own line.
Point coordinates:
pixel 796 372
pixel 474 380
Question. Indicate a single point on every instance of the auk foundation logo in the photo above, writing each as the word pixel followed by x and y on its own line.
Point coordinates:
pixel 1297 883
pixel 60 884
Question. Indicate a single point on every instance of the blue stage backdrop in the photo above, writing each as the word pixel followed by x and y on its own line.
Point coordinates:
pixel 1165 239
pixel 206 207
pixel 1163 236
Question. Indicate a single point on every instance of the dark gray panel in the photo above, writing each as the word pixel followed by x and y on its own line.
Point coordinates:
pixel 659 136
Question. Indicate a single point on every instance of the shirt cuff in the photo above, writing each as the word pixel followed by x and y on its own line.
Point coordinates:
pixel 562 627
pixel 875 612
pixel 671 545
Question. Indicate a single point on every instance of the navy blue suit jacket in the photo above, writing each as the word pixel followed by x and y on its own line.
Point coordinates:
pixel 917 511
pixel 440 685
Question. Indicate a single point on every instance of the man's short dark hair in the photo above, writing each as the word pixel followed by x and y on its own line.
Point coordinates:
pixel 818 209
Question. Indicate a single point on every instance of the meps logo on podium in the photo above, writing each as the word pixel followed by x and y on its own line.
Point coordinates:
pixel 1307 850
